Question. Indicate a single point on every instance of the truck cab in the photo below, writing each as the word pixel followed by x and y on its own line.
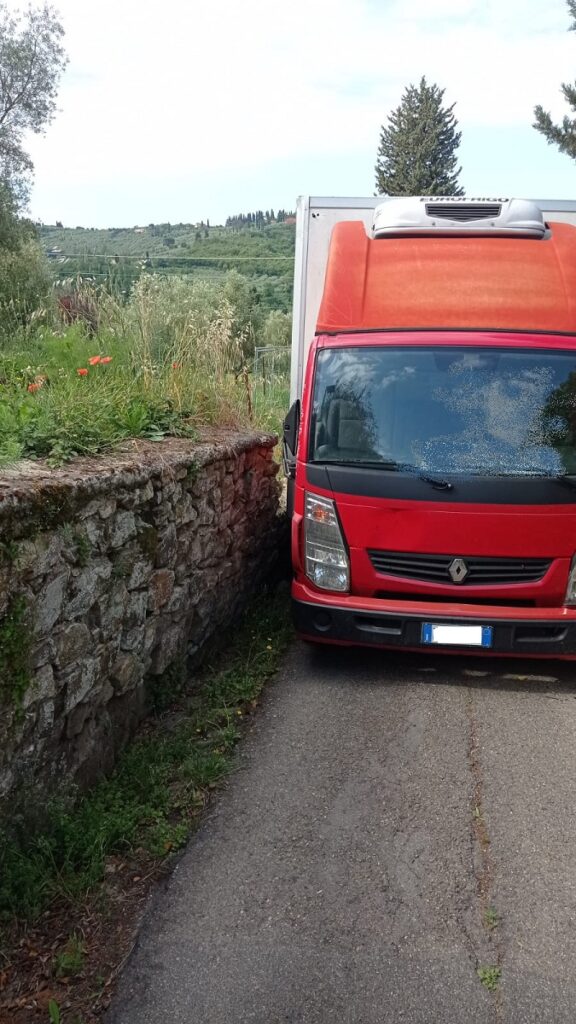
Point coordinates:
pixel 432 447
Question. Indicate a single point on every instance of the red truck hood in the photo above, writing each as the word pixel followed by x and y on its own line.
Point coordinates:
pixel 510 531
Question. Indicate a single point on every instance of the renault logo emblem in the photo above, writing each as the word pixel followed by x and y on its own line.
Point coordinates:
pixel 458 570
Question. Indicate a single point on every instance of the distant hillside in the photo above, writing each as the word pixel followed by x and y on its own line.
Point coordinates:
pixel 119 255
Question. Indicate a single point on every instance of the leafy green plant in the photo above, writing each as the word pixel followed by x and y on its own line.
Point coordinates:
pixel 76 539
pixel 491 918
pixel 490 977
pixel 70 961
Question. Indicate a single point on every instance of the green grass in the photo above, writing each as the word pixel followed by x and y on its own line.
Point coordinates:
pixel 54 1014
pixel 160 785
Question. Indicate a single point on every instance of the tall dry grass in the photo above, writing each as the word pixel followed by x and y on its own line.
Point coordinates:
pixel 172 360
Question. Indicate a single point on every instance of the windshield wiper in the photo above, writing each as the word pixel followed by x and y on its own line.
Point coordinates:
pixel 434 481
pixel 396 467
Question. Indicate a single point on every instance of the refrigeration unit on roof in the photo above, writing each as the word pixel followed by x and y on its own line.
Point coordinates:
pixel 455 215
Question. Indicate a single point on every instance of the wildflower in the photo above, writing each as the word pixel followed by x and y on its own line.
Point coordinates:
pixel 176 366
pixel 106 359
pixel 33 387
pixel 82 373
pixel 94 360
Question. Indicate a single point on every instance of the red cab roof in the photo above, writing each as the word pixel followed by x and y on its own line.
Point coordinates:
pixel 482 282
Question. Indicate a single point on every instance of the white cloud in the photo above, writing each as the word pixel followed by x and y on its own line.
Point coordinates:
pixel 161 91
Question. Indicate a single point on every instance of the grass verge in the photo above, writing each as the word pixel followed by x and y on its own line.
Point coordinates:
pixel 59 884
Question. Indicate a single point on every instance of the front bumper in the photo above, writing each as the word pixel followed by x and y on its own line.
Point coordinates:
pixel 340 619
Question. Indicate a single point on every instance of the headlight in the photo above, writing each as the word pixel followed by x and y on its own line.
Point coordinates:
pixel 325 555
pixel 570 598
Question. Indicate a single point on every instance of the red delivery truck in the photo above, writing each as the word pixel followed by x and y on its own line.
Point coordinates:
pixel 431 443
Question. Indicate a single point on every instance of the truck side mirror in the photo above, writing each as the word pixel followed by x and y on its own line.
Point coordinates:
pixel 291 427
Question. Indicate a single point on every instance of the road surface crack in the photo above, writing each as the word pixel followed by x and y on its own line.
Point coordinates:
pixel 489 967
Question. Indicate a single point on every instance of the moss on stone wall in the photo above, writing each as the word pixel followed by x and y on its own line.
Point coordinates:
pixel 14 653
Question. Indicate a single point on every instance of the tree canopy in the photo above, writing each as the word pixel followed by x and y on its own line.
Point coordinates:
pixel 417 152
pixel 32 59
pixel 562 135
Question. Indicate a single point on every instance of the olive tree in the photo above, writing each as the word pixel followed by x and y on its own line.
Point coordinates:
pixel 32 60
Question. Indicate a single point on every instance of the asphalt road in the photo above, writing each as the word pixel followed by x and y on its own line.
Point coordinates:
pixel 387 812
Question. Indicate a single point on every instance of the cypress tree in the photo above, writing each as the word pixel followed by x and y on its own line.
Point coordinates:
pixel 417 153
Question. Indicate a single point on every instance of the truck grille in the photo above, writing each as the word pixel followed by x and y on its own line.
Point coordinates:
pixel 480 571
pixel 463 211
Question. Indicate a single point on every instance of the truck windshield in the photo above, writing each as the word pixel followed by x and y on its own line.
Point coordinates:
pixel 472 410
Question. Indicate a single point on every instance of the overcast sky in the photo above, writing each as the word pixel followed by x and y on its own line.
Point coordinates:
pixel 191 109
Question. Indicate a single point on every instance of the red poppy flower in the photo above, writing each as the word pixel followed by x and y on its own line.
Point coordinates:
pixel 106 359
pixel 33 387
pixel 176 366
pixel 94 360
pixel 82 373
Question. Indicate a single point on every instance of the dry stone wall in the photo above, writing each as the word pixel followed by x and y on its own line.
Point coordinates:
pixel 112 572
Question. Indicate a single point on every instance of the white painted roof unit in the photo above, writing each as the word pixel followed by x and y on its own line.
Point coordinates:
pixel 448 215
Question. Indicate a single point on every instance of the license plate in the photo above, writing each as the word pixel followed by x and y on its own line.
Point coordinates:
pixel 459 636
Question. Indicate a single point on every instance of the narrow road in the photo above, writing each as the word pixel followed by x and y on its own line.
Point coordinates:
pixel 397 824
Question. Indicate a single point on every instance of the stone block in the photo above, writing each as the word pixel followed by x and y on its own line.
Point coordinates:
pixel 171 643
pixel 126 673
pixel 160 588
pixel 167 547
pixel 111 608
pixel 179 601
pixel 80 680
pixel 92 508
pixel 132 639
pixel 48 553
pixel 107 508
pixel 46 717
pixel 49 604
pixel 136 608
pixel 77 719
pixel 41 687
pixel 42 654
pixel 185 510
pixel 146 494
pixel 86 586
pixel 122 529
pixel 140 574
pixel 96 532
pixel 71 643
pixel 26 558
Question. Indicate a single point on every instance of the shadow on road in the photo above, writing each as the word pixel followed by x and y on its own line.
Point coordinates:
pixel 366 666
